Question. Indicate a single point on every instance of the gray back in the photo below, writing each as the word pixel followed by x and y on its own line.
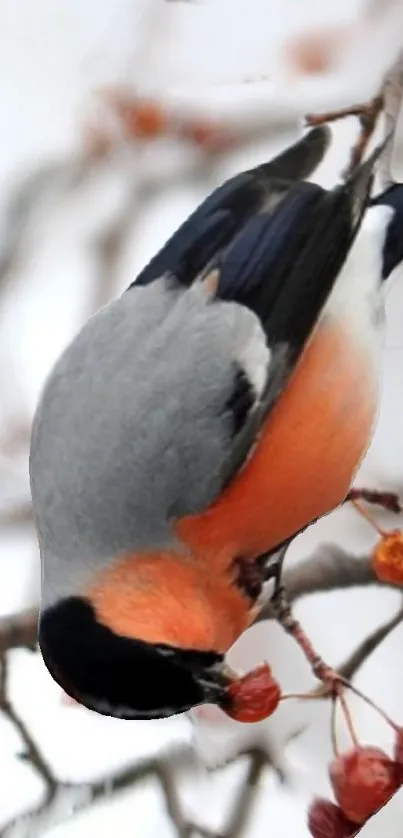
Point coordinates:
pixel 132 429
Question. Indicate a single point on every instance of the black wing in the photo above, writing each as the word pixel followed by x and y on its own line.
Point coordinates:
pixel 214 224
pixel 283 266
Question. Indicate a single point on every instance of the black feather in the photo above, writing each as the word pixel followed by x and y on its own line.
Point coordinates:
pixel 213 225
pixel 393 248
pixel 241 401
pixel 252 268
pixel 283 267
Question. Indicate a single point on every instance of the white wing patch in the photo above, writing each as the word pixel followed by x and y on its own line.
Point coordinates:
pixel 357 300
pixel 254 357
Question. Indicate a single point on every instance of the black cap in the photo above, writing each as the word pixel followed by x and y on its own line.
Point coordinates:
pixel 121 676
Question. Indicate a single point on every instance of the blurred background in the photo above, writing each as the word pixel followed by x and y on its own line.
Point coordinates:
pixel 117 119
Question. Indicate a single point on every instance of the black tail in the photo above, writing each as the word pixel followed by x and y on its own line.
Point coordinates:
pixel 283 264
pixel 223 214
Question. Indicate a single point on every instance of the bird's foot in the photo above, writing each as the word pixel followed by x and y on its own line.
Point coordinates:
pixel 368 114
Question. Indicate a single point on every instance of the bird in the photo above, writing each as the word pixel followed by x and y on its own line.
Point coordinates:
pixel 199 422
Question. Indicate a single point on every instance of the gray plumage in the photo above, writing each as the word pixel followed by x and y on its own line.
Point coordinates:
pixel 132 430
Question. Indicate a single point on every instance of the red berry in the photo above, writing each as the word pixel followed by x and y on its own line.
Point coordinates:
pixel 326 820
pixel 398 753
pixel 363 781
pixel 208 136
pixel 253 697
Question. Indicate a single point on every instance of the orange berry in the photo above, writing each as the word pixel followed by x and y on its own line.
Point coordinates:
pixel 387 560
pixel 326 820
pixel 142 118
pixel 363 781
pixel 147 120
pixel 253 697
pixel 208 136
pixel 315 52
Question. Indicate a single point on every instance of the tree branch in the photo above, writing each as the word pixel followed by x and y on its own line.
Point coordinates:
pixel 392 100
pixel 17 516
pixel 47 182
pixel 330 568
pixel 32 753
pixel 349 668
pixel 246 799
pixel 69 798
pixel 19 631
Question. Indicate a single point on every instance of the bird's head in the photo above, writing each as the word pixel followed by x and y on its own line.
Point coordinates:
pixel 124 677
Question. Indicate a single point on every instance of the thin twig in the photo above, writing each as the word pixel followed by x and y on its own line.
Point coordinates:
pixel 71 798
pixel 330 568
pixel 245 800
pixel 48 181
pixel 368 114
pixel 31 753
pixel 19 631
pixel 392 98
pixel 174 809
pixel 17 516
pixel 349 668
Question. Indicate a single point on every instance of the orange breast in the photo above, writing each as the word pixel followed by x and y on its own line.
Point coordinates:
pixel 307 455
pixel 302 468
pixel 171 598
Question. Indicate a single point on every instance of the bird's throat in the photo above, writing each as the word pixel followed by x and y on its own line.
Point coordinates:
pixel 177 600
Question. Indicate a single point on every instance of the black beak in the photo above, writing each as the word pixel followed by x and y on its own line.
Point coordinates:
pixel 214 683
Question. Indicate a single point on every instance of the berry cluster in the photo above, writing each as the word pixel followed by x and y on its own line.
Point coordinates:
pixel 365 778
pixel 363 781
pixel 145 119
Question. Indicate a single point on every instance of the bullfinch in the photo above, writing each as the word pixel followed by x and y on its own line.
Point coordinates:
pixel 200 421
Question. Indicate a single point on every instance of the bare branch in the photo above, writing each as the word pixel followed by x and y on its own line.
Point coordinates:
pixel 16 516
pixel 244 801
pixel 49 180
pixel 70 799
pixel 392 101
pixel 110 248
pixel 330 568
pixel 19 631
pixel 168 785
pixel 31 753
pixel 367 113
